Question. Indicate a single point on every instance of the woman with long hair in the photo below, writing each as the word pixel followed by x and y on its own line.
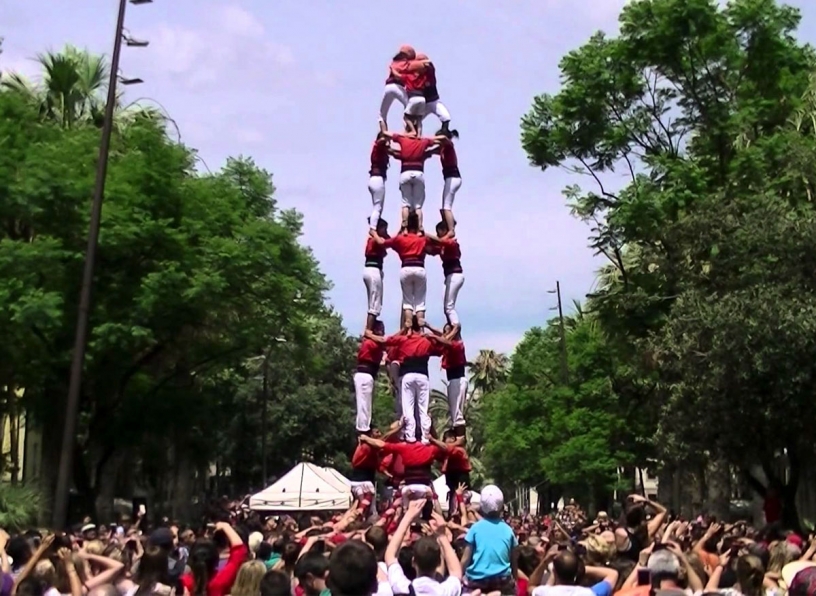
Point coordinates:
pixel 248 581
pixel 205 579
pixel 153 574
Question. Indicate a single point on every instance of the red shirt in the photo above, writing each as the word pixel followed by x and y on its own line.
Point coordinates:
pixel 399 66
pixel 393 353
pixel 410 248
pixel 418 346
pixel 375 252
pixel 415 455
pixel 451 256
pixel 453 356
pixel 365 458
pixel 413 151
pixel 415 78
pixel 221 583
pixel 379 159
pixel 370 352
pixel 449 161
pixel 457 460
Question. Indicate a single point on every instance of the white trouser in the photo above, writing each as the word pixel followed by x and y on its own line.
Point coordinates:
pixel 457 395
pixel 412 186
pixel 438 109
pixel 414 289
pixel 416 106
pixel 364 391
pixel 373 279
pixel 366 494
pixel 453 283
pixel 376 186
pixel 393 373
pixel 452 186
pixel 416 392
pixel 413 492
pixel 391 93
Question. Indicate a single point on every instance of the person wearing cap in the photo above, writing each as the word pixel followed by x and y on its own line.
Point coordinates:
pixel 491 552
pixel 394 83
pixel 164 539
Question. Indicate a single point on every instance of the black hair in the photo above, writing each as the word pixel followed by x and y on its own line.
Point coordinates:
pixel 314 564
pixel 352 570
pixel 276 583
pixel 203 562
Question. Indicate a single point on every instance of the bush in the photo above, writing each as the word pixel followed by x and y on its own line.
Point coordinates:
pixel 19 506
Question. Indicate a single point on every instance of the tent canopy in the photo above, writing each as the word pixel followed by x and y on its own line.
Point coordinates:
pixel 306 487
pixel 441 489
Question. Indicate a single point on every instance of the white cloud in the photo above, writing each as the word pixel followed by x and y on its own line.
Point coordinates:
pixel 229 49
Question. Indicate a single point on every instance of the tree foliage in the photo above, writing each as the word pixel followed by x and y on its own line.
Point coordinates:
pixel 709 112
pixel 195 274
pixel 572 433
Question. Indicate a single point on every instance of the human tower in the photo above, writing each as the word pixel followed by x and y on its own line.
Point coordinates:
pixel 405 354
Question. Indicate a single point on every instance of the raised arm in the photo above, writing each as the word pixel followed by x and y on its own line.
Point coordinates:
pixel 376 443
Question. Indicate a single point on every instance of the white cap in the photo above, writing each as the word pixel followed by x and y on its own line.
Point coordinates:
pixel 492 499
pixel 88 528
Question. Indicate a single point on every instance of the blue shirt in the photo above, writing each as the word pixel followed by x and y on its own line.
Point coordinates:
pixel 491 541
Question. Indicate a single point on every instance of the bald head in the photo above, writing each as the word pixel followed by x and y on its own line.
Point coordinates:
pixel 568 569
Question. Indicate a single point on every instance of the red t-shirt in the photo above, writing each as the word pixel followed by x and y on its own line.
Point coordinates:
pixel 413 151
pixel 409 247
pixel 393 353
pixel 374 251
pixel 415 80
pixel 365 458
pixel 521 586
pixel 453 356
pixel 449 161
pixel 418 346
pixel 457 460
pixel 379 159
pixel 370 352
pixel 415 455
pixel 221 583
pixel 399 66
pixel 451 256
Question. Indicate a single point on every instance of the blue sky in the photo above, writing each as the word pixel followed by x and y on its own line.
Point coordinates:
pixel 296 84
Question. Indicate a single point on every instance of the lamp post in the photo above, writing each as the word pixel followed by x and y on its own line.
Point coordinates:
pixel 60 512
pixel 564 365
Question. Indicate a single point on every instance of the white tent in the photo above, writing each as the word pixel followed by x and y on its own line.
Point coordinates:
pixel 306 487
pixel 441 490
pixel 334 473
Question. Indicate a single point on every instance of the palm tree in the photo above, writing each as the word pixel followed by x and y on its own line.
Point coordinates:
pixel 72 87
pixel 488 371
pixel 438 409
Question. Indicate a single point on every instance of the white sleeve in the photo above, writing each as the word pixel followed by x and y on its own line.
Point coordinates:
pixel 384 589
pixel 451 587
pixel 399 583
pixel 540 591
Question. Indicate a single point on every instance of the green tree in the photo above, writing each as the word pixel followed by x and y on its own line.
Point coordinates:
pixel 708 110
pixel 571 435
pixel 194 274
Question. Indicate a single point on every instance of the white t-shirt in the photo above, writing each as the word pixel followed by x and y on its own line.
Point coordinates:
pixel 562 591
pixel 423 586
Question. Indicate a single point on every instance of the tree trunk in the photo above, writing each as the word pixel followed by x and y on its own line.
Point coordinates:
pixel 718 483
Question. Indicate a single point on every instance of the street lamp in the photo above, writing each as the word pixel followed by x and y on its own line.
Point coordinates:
pixel 564 365
pixel 81 339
